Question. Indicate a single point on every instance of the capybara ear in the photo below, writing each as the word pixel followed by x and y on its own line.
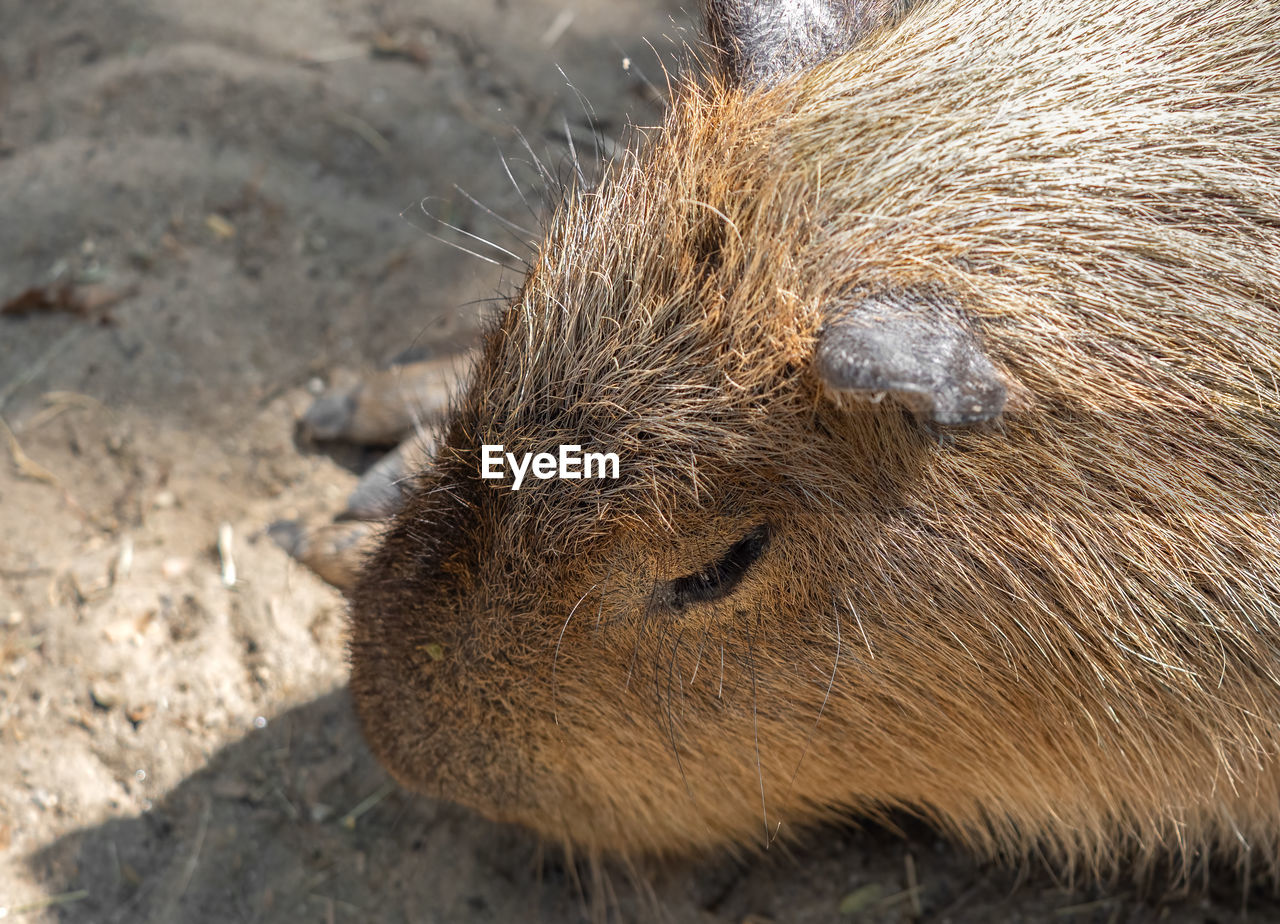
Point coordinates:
pixel 758 41
pixel 916 348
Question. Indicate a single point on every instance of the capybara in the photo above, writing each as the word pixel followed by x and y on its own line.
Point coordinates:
pixel 938 344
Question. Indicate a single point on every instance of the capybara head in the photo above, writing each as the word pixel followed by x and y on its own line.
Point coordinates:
pixel 941 373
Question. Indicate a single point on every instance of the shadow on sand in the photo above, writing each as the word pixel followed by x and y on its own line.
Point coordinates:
pixel 296 822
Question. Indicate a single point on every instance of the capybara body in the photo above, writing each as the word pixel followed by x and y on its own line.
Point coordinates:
pixel 943 376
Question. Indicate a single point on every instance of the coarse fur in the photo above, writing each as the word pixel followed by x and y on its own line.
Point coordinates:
pixel 1055 632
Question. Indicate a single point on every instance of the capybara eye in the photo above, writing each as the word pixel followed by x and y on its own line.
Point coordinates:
pixel 718 579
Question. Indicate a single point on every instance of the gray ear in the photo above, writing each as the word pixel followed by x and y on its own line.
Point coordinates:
pixel 757 41
pixel 916 349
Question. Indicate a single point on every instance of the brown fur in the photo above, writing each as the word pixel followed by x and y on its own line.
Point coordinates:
pixel 1059 633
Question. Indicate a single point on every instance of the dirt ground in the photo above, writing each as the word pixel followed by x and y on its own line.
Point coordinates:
pixel 200 226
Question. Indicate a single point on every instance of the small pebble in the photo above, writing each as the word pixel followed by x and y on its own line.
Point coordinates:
pixel 43 799
pixel 122 630
pixel 104 695
pixel 124 561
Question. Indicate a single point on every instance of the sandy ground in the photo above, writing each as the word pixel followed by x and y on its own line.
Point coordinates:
pixel 200 212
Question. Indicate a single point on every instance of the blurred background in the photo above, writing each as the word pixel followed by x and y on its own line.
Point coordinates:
pixel 209 212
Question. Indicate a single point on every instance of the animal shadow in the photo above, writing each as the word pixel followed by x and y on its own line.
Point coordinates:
pixel 297 822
